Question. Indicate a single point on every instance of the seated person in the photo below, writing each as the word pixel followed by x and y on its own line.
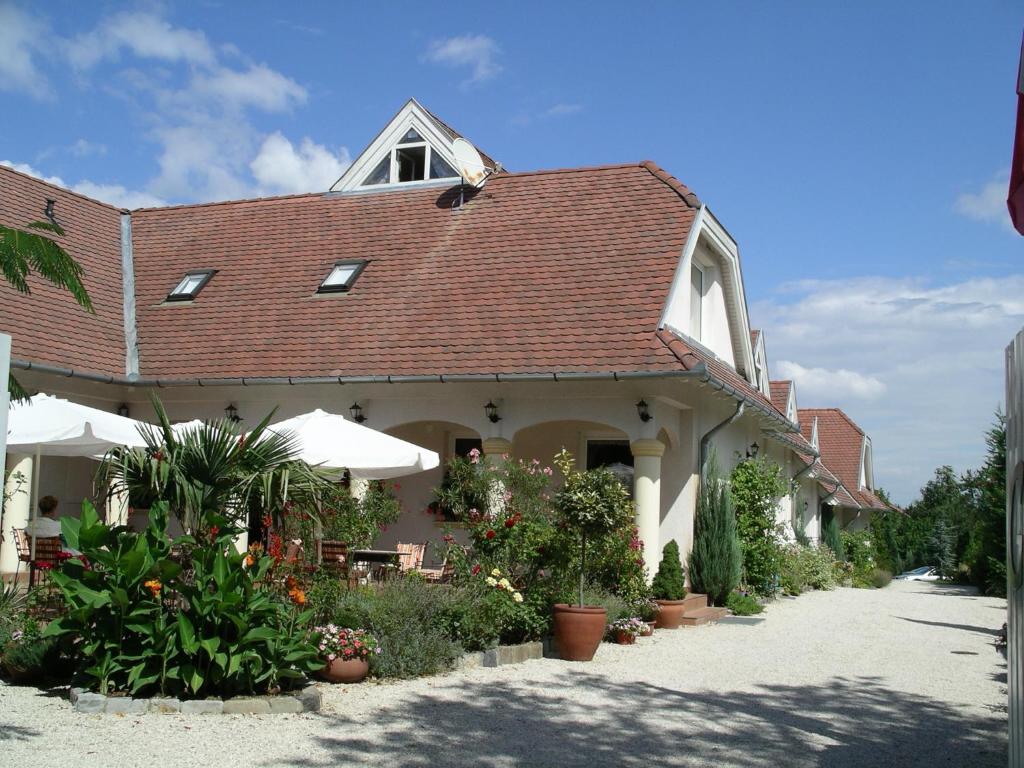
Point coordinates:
pixel 46 525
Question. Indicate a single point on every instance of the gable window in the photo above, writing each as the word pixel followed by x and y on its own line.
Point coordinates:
pixel 191 285
pixel 342 275
pixel 412 159
pixel 696 301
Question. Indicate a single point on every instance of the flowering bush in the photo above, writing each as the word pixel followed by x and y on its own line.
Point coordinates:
pixel 632 627
pixel 346 644
pixel 756 486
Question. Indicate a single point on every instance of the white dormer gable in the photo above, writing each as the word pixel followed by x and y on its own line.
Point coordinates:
pixel 792 412
pixel 867 469
pixel 414 149
pixel 760 376
pixel 814 434
pixel 706 302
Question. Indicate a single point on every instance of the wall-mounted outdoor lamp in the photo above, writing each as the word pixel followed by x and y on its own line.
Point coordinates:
pixel 122 410
pixel 231 413
pixel 643 412
pixel 357 413
pixel 752 453
pixel 492 412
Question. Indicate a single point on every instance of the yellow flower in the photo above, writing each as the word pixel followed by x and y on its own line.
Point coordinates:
pixel 517 597
pixel 491 581
pixel 504 584
pixel 495 573
pixel 154 586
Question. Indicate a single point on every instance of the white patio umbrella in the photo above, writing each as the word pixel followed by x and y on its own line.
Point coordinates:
pixel 50 426
pixel 330 440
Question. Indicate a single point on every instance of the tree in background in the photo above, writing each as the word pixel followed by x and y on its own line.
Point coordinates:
pixel 757 486
pixel 716 560
pixel 985 553
pixel 24 253
pixel 830 533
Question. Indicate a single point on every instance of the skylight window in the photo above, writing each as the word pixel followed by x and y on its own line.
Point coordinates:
pixel 341 276
pixel 191 285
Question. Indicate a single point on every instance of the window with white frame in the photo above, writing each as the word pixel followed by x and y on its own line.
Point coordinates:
pixel 190 285
pixel 412 159
pixel 696 300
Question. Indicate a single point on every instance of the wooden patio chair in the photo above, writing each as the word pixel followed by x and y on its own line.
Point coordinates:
pixel 443 575
pixel 334 555
pixel 410 556
pixel 48 549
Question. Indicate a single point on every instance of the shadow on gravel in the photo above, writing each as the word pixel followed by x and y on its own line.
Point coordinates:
pixel 845 724
pixel 990 631
pixel 16 733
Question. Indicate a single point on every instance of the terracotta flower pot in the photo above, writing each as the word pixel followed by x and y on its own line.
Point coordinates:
pixel 625 638
pixel 579 631
pixel 648 630
pixel 670 614
pixel 345 671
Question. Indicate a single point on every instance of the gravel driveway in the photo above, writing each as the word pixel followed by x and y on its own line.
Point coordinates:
pixel 904 676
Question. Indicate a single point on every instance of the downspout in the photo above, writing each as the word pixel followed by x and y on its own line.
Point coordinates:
pixel 705 442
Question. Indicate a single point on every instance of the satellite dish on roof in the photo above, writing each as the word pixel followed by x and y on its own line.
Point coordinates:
pixel 469 164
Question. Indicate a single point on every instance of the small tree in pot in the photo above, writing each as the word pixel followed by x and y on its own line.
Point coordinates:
pixel 593 504
pixel 669 588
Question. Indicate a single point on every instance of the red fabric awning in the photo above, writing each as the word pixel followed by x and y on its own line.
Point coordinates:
pixel 1015 200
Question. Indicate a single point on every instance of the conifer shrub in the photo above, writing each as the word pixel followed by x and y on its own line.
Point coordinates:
pixel 715 561
pixel 669 583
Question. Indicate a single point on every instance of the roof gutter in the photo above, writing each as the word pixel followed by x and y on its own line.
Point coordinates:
pixel 705 441
pixel 697 372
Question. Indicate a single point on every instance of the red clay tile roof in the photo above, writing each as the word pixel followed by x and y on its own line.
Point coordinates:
pixel 780 393
pixel 690 353
pixel 841 442
pixel 559 271
pixel 47 326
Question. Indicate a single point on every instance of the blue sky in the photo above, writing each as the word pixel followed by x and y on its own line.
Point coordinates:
pixel 857 152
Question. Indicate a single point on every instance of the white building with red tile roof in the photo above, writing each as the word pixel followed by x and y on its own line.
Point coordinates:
pixel 566 297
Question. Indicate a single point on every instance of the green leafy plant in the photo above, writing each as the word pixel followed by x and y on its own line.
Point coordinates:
pixel 831 535
pixel 715 561
pixel 743 604
pixel 669 582
pixel 593 504
pixel 143 623
pixel 23 253
pixel 757 486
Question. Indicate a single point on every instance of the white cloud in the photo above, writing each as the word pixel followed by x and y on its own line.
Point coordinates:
pixel 563 109
pixel 114 194
pixel 918 365
pixel 144 34
pixel 258 86
pixel 280 167
pixel 22 38
pixel 822 383
pixel 476 52
pixel 117 195
pixel 987 204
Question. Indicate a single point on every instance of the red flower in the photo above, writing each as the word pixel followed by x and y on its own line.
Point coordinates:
pixel 475 569
pixel 241 442
pixel 490 534
pixel 159 456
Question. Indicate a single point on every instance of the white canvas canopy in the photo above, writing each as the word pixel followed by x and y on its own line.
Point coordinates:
pixel 50 426
pixel 330 440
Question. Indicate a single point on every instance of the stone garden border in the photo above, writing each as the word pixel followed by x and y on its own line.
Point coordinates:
pixel 502 655
pixel 305 700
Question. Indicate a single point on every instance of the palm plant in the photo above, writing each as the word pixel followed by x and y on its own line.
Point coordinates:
pixel 23 253
pixel 213 474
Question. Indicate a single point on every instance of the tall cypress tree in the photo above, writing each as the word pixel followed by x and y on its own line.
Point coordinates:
pixel 716 559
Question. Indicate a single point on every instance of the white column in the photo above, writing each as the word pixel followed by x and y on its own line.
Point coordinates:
pixel 647 455
pixel 17 486
pixel 496 451
pixel 117 507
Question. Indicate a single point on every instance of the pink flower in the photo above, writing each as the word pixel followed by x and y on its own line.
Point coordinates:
pixel 448 538
pixel 474 456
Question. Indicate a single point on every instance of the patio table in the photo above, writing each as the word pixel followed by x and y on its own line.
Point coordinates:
pixel 379 559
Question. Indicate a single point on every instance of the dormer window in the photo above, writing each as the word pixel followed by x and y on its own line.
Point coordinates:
pixel 191 285
pixel 342 276
pixel 696 301
pixel 412 159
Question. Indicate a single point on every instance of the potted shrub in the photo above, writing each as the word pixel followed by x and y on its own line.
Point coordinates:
pixel 626 631
pixel 592 504
pixel 346 653
pixel 669 588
